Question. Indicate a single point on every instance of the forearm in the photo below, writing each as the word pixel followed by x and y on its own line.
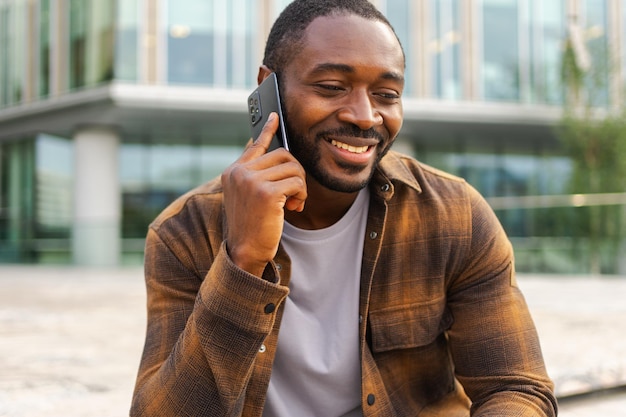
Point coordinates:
pixel 202 337
pixel 499 360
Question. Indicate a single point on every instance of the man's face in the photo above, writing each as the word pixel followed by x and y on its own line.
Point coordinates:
pixel 341 96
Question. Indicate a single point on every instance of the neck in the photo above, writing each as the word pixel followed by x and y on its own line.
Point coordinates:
pixel 323 207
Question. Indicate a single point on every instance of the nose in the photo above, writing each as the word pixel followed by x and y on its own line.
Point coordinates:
pixel 360 111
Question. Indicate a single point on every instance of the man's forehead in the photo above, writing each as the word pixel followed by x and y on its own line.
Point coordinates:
pixel 335 39
pixel 334 25
pixel 326 67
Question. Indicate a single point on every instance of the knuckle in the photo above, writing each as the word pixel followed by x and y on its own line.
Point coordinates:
pixel 234 174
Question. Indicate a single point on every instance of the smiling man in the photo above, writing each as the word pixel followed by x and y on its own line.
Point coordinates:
pixel 341 278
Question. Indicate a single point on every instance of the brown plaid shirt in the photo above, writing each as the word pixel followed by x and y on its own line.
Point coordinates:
pixel 443 321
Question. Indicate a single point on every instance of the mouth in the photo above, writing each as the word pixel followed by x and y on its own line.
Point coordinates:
pixel 350 148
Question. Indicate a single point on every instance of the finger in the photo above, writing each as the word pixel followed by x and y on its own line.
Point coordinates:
pixel 294 204
pixel 294 191
pixel 276 167
pixel 262 143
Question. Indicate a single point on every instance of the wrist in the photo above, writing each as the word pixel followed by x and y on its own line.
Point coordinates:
pixel 244 261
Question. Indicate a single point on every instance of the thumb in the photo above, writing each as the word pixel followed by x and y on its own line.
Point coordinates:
pixel 262 143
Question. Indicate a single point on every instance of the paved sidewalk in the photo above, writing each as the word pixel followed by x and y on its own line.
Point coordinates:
pixel 70 339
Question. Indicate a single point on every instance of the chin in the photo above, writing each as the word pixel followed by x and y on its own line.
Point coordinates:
pixel 342 185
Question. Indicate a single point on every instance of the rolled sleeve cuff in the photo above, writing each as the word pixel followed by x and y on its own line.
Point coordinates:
pixel 240 297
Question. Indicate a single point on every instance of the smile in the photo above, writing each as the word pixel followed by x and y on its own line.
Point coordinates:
pixel 349 148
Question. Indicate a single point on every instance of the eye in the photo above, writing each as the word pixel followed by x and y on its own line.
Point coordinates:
pixel 329 89
pixel 388 96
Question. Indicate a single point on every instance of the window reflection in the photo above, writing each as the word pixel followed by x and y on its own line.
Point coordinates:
pixel 126 45
pixel 157 170
pixel 44 48
pixel 78 39
pixel 500 73
pixel 444 48
pixel 190 39
pixel 90 42
pixel 596 37
pixel 399 14
pixel 211 42
pixel 54 169
pixel 12 51
pixel 546 27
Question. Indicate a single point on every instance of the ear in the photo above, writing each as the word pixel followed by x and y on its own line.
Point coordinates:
pixel 264 72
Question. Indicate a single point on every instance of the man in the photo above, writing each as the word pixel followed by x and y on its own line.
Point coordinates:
pixel 339 279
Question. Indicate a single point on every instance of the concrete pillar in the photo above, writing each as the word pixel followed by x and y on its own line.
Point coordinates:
pixel 97 197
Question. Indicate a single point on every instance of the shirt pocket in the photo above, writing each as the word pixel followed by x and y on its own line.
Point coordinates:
pixel 408 326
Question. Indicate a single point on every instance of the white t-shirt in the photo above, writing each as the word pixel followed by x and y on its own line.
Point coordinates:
pixel 317 369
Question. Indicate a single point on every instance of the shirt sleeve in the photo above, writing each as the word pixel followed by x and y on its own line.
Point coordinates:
pixel 493 339
pixel 202 334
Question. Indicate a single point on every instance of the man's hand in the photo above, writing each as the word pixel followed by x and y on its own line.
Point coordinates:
pixel 257 189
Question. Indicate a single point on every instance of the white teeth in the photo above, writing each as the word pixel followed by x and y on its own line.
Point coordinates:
pixel 349 148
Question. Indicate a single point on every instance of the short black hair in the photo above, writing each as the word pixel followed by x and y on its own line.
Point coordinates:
pixel 288 30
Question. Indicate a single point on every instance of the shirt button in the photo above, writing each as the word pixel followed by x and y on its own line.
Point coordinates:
pixel 371 398
pixel 262 349
pixel 360 318
pixel 373 235
pixel 279 267
pixel 269 309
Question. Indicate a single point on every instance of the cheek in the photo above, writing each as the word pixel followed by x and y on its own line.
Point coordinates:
pixel 393 122
pixel 305 112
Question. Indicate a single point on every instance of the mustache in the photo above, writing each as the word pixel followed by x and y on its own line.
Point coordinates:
pixel 352 131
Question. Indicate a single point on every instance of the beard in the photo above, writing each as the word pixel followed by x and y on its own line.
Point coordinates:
pixel 307 151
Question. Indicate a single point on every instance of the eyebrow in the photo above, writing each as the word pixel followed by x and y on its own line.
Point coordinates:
pixel 347 69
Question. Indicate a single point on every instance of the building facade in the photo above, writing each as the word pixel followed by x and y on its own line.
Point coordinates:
pixel 110 109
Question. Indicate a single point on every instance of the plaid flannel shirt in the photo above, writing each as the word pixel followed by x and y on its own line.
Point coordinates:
pixel 445 330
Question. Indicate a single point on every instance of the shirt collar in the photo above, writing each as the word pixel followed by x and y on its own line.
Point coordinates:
pixel 393 168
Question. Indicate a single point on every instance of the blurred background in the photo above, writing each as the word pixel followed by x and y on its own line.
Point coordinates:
pixel 110 109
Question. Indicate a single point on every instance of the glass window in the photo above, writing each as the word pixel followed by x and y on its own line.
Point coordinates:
pixel 170 166
pixel 215 159
pixel 155 170
pixel 279 6
pixel 546 29
pixel 211 42
pixel 44 49
pixel 16 201
pixel 623 63
pixel 189 30
pixel 4 54
pixel 4 195
pixel 500 64
pixel 78 43
pixel 136 210
pixel 242 56
pixel 444 48
pixel 12 51
pixel 54 169
pixel 596 36
pixel 399 14
pixel 126 41
pixel 100 62
pixel 90 42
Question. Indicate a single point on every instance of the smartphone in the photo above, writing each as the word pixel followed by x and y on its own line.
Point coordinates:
pixel 264 100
